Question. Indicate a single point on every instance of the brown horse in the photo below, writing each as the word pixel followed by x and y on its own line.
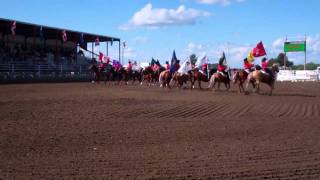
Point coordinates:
pixel 220 78
pixel 165 78
pixel 147 74
pixel 180 79
pixel 96 73
pixel 259 77
pixel 240 78
pixel 196 75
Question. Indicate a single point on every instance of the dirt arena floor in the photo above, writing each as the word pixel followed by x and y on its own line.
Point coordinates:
pixel 89 131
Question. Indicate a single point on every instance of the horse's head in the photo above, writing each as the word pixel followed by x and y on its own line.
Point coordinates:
pixel 275 68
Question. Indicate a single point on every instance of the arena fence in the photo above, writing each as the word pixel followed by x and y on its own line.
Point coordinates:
pixel 298 75
pixel 23 72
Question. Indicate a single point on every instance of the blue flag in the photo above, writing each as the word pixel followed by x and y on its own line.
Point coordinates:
pixel 81 39
pixel 82 42
pixel 173 62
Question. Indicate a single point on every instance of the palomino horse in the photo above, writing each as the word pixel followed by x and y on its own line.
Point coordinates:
pixel 165 78
pixel 220 78
pixel 240 78
pixel 259 77
pixel 180 78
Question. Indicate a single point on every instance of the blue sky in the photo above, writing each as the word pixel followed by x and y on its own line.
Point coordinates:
pixel 154 28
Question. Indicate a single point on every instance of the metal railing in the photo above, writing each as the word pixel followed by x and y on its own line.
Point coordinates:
pixel 28 71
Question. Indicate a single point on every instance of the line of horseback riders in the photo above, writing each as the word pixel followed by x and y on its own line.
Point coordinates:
pixel 176 74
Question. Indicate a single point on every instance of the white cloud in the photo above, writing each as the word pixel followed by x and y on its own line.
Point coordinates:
pixel 152 17
pixel 221 2
pixel 139 39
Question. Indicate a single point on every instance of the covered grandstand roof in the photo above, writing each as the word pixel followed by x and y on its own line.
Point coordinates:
pixel 30 30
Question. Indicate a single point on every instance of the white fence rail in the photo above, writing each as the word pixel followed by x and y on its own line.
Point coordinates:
pixel 298 75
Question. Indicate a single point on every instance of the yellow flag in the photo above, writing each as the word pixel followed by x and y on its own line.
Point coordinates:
pixel 250 57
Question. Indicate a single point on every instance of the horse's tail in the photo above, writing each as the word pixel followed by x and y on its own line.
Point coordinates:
pixel 160 79
pixel 211 81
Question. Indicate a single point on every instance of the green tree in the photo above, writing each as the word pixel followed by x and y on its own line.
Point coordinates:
pixel 280 60
pixel 193 58
pixel 309 66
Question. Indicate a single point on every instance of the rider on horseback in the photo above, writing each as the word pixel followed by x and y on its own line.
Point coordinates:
pixel 155 66
pixel 167 65
pixel 129 67
pixel 264 66
pixel 223 68
pixel 248 67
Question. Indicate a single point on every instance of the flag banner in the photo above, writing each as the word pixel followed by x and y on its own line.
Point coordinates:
pixel 97 41
pixel 124 44
pixel 174 58
pixel 82 42
pixel 250 57
pixel 41 36
pixel 295 46
pixel 116 64
pixel 64 36
pixel 13 28
pixel 259 50
pixel 201 62
pixel 101 57
pixel 223 58
pixel 185 67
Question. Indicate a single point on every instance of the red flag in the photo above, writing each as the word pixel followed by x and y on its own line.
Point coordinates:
pixel 259 50
pixel 106 59
pixel 64 36
pixel 97 42
pixel 101 57
pixel 13 28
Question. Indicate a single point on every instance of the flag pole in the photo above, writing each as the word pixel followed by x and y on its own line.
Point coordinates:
pixel 285 54
pixel 305 51
pixel 122 54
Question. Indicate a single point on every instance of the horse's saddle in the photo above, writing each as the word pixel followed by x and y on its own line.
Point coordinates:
pixel 223 74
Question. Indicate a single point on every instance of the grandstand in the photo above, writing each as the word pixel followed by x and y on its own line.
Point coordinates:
pixel 33 52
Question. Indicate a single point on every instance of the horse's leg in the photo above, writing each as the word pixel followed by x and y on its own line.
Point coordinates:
pixel 199 83
pixel 271 87
pixel 227 85
pixel 258 87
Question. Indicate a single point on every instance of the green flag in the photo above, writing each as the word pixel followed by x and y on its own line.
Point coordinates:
pixel 295 46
